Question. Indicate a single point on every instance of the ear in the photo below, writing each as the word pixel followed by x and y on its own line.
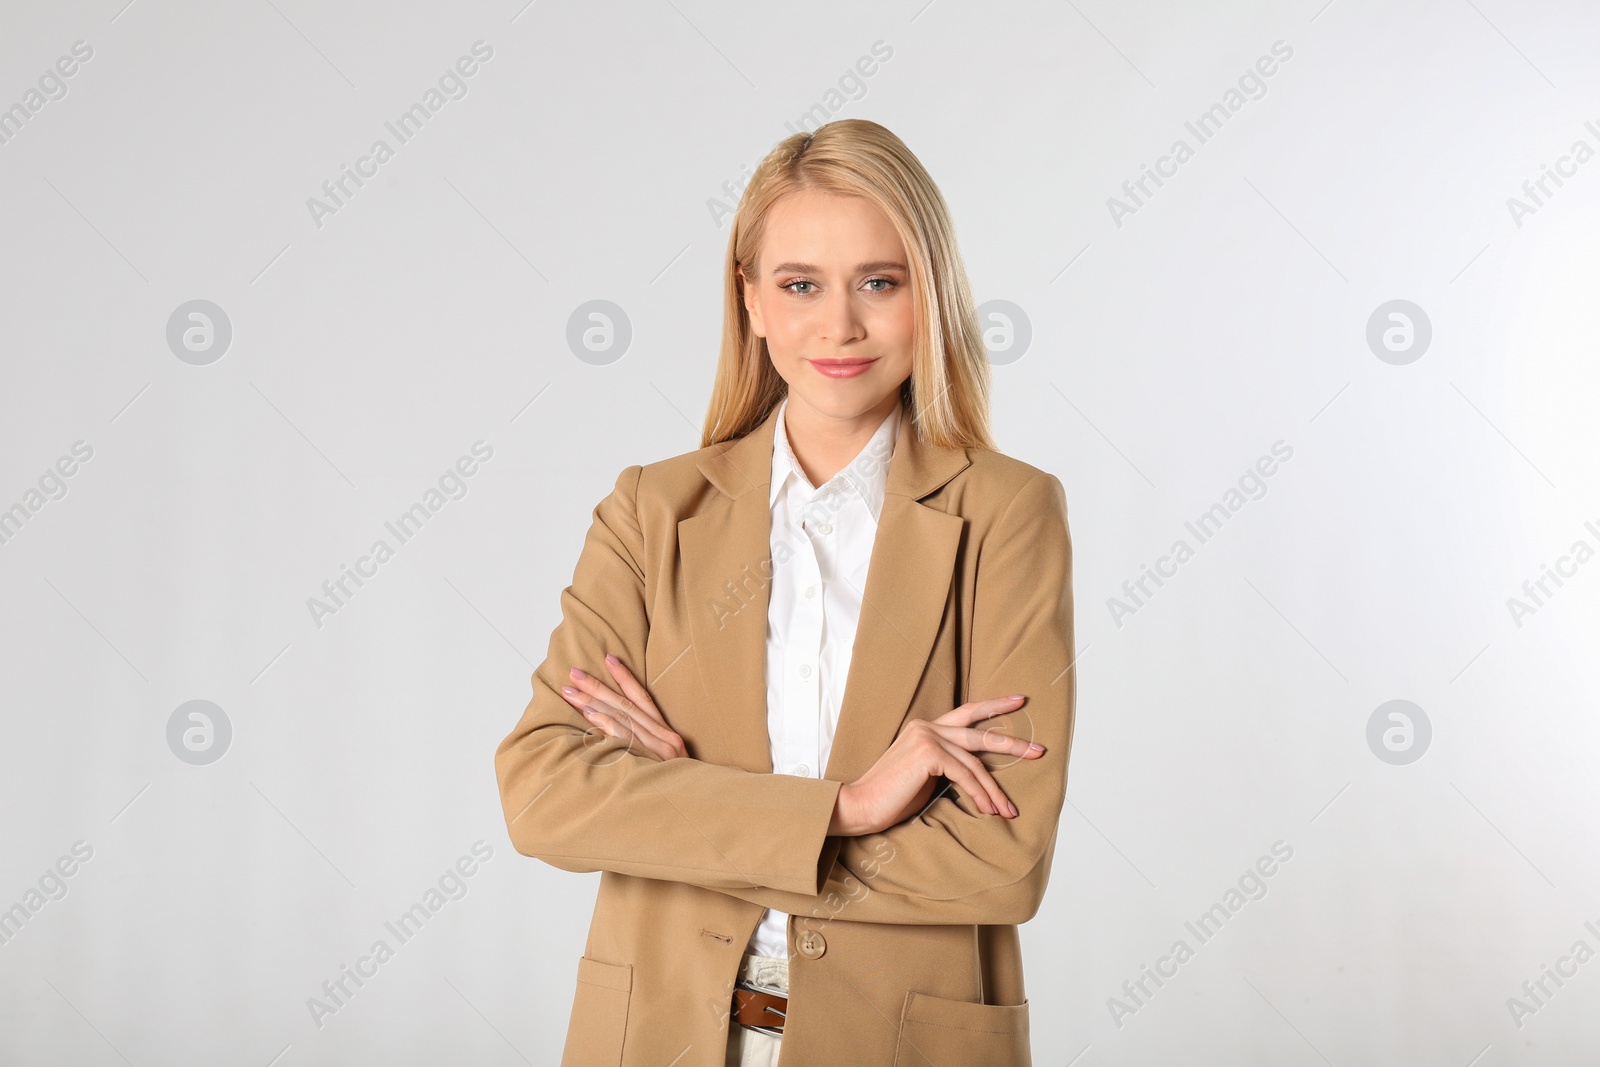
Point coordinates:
pixel 758 325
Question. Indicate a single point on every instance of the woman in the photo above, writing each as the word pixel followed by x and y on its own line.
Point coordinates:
pixel 838 602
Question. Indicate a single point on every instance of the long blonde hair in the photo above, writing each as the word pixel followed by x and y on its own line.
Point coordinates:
pixel 947 395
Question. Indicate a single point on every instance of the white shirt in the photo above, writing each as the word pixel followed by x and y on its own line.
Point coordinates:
pixel 821 545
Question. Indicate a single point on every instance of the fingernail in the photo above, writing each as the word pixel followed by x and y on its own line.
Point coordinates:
pixel 578 675
pixel 567 689
pixel 614 661
pixel 1013 808
pixel 1034 746
pixel 1015 696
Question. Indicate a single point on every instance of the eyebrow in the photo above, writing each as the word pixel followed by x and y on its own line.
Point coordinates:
pixel 812 268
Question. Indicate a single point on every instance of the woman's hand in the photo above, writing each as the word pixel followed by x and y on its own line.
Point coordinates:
pixel 631 715
pixel 901 782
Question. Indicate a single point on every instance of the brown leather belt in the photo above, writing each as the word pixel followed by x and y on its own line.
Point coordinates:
pixel 758 1008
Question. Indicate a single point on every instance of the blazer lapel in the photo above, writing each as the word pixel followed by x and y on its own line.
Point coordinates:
pixel 727 565
pixel 726 556
pixel 908 584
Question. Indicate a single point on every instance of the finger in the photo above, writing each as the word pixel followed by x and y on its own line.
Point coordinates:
pixel 594 693
pixel 633 690
pixel 993 736
pixel 644 725
pixel 593 690
pixel 967 781
pixel 961 769
pixel 598 692
pixel 959 765
pixel 606 723
pixel 619 725
pixel 603 701
pixel 645 720
pixel 642 708
pixel 992 739
pixel 970 773
pixel 977 710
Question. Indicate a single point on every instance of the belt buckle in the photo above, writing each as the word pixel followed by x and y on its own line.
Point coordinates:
pixel 743 983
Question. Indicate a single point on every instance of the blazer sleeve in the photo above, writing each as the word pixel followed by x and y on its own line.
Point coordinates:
pixel 951 863
pixel 576 798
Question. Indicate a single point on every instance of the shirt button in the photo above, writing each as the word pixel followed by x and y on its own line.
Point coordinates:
pixel 802 770
pixel 811 591
pixel 823 527
pixel 811 944
pixel 805 670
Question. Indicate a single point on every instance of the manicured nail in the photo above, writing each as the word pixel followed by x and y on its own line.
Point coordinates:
pixel 1034 746
pixel 1015 696
pixel 1013 808
pixel 578 675
pixel 614 661
pixel 567 689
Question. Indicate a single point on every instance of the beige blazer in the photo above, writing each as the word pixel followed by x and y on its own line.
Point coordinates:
pixel 903 944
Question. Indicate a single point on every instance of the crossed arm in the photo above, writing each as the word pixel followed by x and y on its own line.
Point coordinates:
pixel 584 801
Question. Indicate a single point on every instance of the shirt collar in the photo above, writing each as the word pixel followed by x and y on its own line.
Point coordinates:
pixel 866 474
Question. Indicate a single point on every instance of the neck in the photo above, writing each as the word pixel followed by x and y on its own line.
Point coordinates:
pixel 824 445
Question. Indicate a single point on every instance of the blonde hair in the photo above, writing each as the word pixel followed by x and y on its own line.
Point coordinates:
pixel 947 395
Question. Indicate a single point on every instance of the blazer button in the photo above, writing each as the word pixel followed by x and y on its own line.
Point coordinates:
pixel 811 944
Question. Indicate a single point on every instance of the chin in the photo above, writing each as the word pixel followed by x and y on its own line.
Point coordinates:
pixel 843 399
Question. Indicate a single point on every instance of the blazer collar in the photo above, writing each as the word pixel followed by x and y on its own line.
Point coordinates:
pixel 863 475
pixel 915 470
pixel 727 563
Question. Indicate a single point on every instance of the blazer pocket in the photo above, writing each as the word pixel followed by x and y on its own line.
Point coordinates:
pixel 599 1014
pixel 939 1032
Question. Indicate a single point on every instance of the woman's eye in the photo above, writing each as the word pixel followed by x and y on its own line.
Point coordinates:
pixel 879 285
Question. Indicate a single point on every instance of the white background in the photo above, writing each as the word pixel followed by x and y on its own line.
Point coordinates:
pixel 1167 354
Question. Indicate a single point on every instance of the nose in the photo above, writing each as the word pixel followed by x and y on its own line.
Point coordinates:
pixel 840 320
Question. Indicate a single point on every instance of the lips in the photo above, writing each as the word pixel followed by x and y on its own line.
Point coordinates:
pixel 841 368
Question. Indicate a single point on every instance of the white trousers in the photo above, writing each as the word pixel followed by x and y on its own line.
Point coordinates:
pixel 752 1048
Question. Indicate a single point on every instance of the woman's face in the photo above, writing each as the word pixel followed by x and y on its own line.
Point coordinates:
pixel 831 293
